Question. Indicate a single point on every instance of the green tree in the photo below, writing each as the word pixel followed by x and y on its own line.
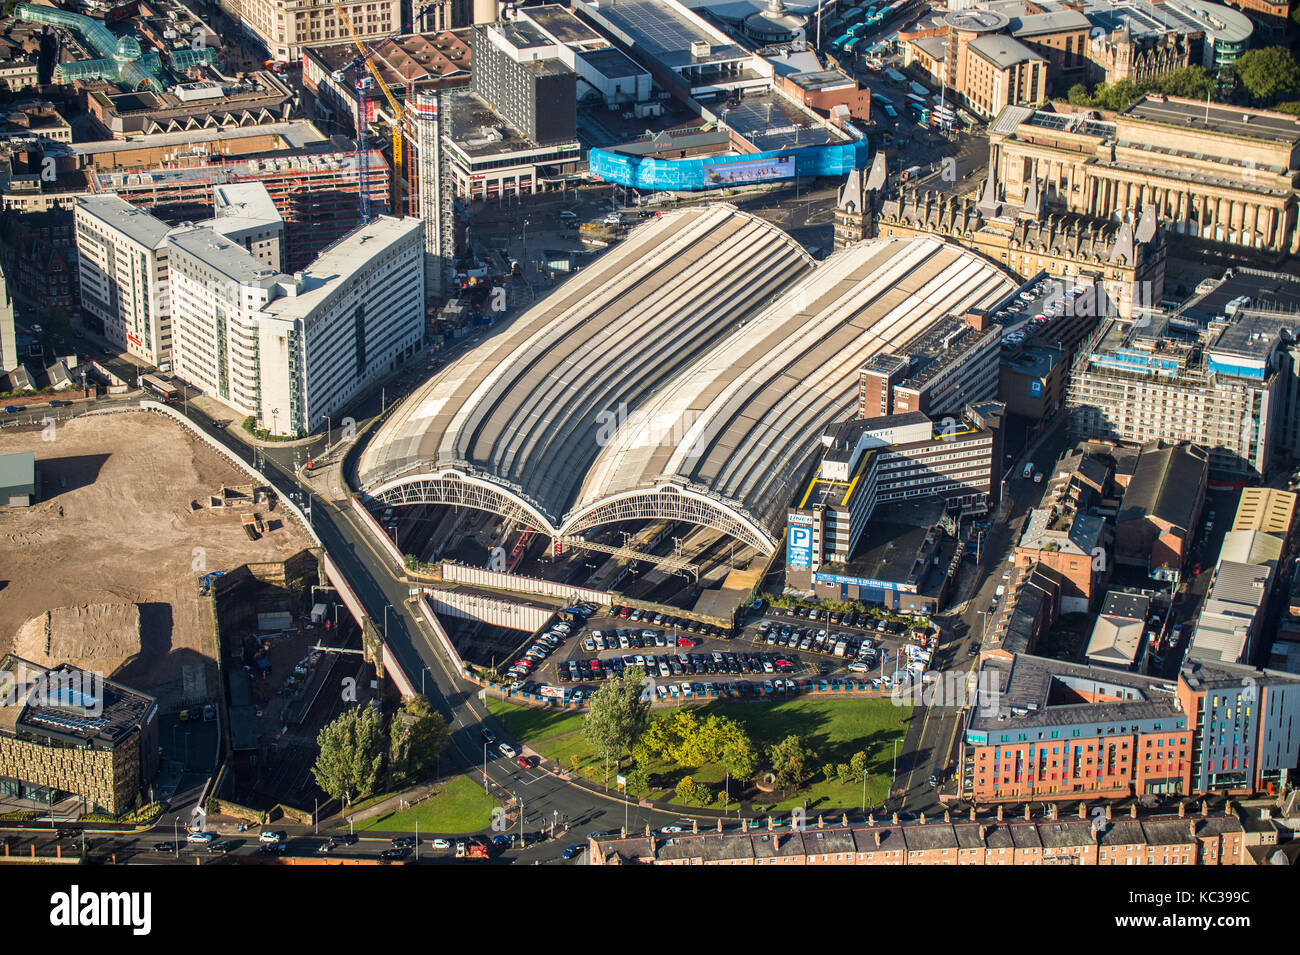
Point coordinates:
pixel 692 793
pixel 418 737
pixel 858 763
pixel 844 773
pixel 1267 73
pixel 1191 82
pixel 617 716
pixel 638 781
pixel 731 747
pixel 351 760
pixel 1078 95
pixel 792 760
pixel 829 772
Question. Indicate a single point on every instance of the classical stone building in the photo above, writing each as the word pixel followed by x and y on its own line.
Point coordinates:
pixel 1222 173
pixel 1024 238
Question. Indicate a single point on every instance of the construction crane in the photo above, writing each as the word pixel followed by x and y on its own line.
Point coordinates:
pixel 399 114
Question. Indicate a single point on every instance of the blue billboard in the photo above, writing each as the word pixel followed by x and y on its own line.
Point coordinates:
pixel 716 172
pixel 798 551
pixel 867 582
pixel 1035 388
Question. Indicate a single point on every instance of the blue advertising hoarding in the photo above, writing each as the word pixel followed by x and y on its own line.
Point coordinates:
pixel 1035 388
pixel 716 172
pixel 798 547
pixel 867 582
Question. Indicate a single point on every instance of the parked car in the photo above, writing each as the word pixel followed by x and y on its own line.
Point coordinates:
pixel 203 838
pixel 570 851
pixel 271 838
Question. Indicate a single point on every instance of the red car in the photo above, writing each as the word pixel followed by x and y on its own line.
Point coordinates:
pixel 687 642
pixel 527 762
pixel 1196 568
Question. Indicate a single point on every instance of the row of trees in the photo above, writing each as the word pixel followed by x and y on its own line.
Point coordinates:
pixel 359 759
pixel 618 724
pixel 1266 75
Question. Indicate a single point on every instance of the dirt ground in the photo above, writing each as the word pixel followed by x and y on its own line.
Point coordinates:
pixel 113 530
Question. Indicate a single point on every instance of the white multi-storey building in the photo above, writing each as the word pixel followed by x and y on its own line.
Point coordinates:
pixel 122 253
pixel 290 350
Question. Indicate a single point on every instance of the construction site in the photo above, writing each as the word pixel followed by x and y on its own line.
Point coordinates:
pixel 103 570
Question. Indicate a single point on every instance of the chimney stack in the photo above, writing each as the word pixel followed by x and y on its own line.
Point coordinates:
pixel 821 823
pixel 1191 828
pixel 695 826
pixel 1027 815
pixel 983 832
pixel 1182 810
pixel 844 819
pixel 877 838
pixel 622 832
pixel 1083 810
pixel 719 825
pixel 647 830
pixel 1133 811
pixel 1108 812
pixel 1205 809
pixel 972 813
pixel 999 813
pixel 895 818
pixel 947 817
pixel 923 819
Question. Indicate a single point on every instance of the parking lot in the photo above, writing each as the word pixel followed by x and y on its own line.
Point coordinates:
pixel 1033 311
pixel 767 656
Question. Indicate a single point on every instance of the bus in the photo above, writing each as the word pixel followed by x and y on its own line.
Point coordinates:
pixel 837 44
pixel 919 90
pixel 915 100
pixel 854 15
pixel 853 44
pixel 163 389
pixel 889 110
pixel 920 113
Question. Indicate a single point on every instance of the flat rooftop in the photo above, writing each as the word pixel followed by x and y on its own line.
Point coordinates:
pixel 66 702
pixel 118 214
pixel 227 257
pixel 771 122
pixel 563 25
pixel 1224 120
pixel 479 131
pixel 666 35
pixel 1040 692
pixel 295 133
pixel 612 63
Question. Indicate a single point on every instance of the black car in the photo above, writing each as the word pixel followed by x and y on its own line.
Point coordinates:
pixel 165 846
pixel 488 736
pixel 222 847
pixel 404 842
pixel 395 853
pixel 271 849
pixel 345 840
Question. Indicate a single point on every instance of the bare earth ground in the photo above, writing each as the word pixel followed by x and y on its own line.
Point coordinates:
pixel 114 531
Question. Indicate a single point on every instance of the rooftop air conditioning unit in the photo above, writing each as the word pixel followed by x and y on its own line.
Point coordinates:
pixel 700 48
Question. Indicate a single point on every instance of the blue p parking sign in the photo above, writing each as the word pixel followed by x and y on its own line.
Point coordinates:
pixel 799 546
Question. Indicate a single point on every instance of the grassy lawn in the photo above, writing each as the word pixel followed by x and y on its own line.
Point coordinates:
pixel 835 729
pixel 456 807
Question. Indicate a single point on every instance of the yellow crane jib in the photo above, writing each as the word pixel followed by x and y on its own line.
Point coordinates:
pixel 398 112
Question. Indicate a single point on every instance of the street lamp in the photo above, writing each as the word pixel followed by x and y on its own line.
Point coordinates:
pixel 485 775
pixel 329 431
